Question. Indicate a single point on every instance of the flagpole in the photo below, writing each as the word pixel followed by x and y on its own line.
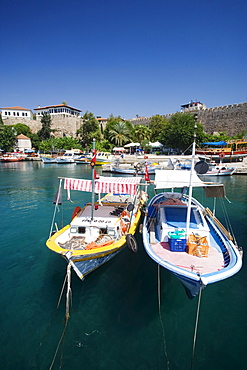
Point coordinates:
pixel 92 165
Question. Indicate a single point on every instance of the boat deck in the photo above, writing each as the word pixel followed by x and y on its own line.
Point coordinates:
pixel 214 261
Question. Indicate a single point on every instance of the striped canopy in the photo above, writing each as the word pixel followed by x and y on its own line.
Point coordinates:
pixel 118 185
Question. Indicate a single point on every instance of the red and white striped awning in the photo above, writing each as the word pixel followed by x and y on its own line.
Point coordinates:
pixel 115 185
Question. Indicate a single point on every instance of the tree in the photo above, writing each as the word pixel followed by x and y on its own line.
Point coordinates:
pixel 142 133
pixel 21 128
pixel 179 131
pixel 45 132
pixel 89 130
pixel 120 133
pixel 157 125
pixel 65 143
pixel 7 138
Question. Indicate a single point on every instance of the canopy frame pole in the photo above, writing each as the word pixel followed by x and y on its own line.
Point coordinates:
pixel 93 182
pixel 190 184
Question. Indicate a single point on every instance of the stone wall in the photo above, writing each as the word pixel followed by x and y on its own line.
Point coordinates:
pixel 231 119
pixel 64 126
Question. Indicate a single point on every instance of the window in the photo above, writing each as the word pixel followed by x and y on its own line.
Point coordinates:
pixel 17 113
pixel 81 230
pixel 13 113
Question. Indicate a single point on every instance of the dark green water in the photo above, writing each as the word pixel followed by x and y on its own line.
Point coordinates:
pixel 114 321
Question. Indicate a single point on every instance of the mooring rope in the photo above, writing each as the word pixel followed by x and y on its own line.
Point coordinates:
pixel 67 316
pixel 196 327
pixel 161 321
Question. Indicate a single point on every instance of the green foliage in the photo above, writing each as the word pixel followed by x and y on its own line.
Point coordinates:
pixel 21 128
pixel 65 143
pixel 141 133
pixel 7 138
pixel 89 130
pixel 35 141
pixel 45 132
pixel 179 132
pixel 119 133
pixel 157 126
pixel 111 123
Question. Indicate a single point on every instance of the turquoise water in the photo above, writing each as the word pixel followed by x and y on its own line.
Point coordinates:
pixel 114 322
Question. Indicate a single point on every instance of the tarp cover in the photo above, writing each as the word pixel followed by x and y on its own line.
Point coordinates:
pixel 215 191
pixel 167 179
pixel 216 143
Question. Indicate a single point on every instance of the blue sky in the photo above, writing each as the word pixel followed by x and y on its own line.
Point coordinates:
pixel 123 57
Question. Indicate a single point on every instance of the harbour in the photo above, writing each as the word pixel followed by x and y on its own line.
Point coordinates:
pixel 114 320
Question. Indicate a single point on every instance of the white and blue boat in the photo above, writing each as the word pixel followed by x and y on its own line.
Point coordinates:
pixel 186 238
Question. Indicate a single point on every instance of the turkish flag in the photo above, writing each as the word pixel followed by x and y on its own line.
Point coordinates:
pixel 146 173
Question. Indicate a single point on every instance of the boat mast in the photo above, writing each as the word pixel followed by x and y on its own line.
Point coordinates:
pixel 93 170
pixel 191 174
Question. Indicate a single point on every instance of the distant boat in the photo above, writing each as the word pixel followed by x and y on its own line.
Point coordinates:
pixel 69 156
pixel 137 169
pixel 224 151
pixel 102 158
pixel 83 159
pixel 52 159
pixel 219 170
pixel 12 157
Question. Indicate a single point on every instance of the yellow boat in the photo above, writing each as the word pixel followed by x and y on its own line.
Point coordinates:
pixel 101 229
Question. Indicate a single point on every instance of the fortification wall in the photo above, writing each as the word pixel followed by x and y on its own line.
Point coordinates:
pixel 64 126
pixel 231 119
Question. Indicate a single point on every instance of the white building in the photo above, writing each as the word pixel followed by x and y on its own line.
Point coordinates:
pixel 193 106
pixel 58 110
pixel 17 112
pixel 22 143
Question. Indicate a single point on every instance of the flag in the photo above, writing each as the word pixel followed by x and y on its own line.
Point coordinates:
pixel 93 162
pixel 58 197
pixel 146 173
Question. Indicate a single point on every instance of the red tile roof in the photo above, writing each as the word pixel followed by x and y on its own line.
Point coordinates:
pixel 21 136
pixel 17 108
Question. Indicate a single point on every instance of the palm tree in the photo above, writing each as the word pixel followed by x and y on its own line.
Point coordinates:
pixel 119 133
pixel 142 132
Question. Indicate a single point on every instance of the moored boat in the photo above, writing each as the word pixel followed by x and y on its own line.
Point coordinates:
pixel 224 151
pixel 69 156
pixel 82 159
pixel 101 229
pixel 186 238
pixel 102 158
pixel 12 157
pixel 219 170
pixel 140 168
